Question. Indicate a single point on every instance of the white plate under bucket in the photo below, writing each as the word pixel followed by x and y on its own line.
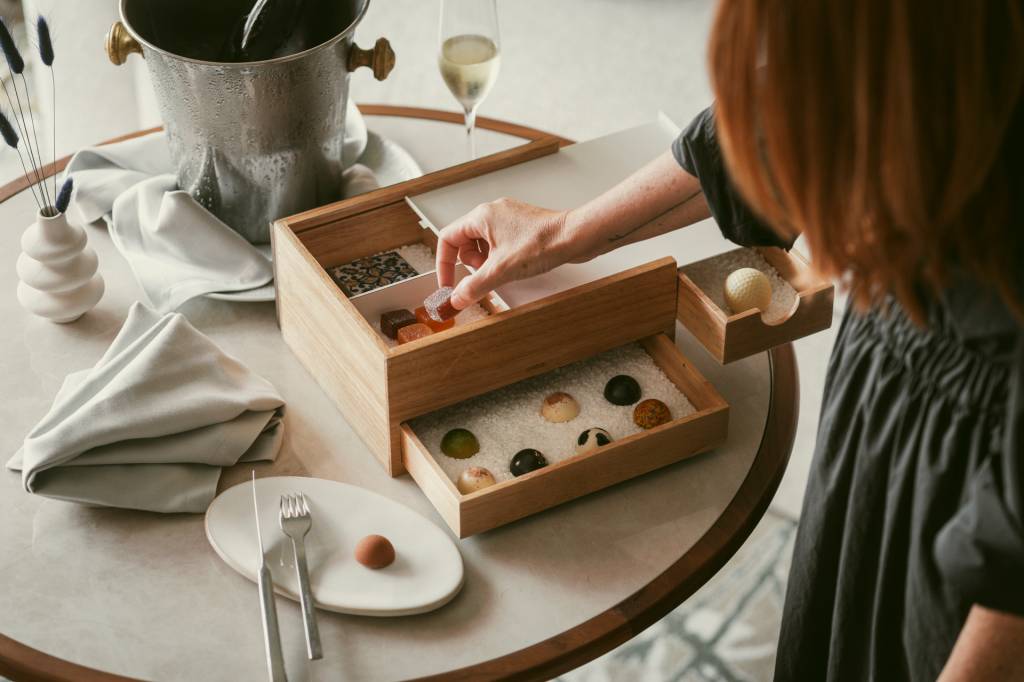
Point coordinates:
pixel 427 572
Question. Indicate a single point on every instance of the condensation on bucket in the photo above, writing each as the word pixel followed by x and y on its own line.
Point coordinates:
pixel 252 142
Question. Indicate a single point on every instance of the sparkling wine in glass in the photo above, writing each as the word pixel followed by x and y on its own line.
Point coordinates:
pixel 469 54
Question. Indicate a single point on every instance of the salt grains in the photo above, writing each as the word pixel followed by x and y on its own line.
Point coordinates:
pixel 508 420
pixel 419 256
pixel 710 274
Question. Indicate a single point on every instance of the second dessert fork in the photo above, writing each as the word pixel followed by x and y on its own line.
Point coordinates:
pixel 295 522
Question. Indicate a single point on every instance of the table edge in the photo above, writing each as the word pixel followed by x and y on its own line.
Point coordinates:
pixel 603 632
pixel 22 183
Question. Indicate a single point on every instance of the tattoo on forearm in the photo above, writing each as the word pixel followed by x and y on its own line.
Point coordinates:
pixel 620 236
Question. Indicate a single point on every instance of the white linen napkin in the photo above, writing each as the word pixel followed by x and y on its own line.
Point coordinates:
pixel 176 249
pixel 152 423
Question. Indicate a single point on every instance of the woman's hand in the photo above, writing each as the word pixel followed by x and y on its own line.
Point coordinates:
pixel 506 240
pixel 503 240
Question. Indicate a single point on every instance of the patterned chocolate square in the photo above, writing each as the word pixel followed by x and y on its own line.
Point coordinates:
pixel 372 272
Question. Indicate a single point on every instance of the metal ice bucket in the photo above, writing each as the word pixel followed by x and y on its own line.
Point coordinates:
pixel 258 140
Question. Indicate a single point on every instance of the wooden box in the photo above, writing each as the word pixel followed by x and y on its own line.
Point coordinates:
pixel 380 388
pixel 732 337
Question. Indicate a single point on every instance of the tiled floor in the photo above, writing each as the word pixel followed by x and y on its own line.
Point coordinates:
pixel 726 631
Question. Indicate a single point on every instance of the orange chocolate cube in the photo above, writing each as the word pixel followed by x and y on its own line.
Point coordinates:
pixel 412 332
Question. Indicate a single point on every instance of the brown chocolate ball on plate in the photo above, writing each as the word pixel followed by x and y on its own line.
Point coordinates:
pixel 375 551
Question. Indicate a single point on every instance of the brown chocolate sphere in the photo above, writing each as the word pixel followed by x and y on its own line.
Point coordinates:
pixel 375 551
pixel 650 413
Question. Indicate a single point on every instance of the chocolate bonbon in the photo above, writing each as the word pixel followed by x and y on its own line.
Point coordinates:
pixel 439 305
pixel 393 320
pixel 526 461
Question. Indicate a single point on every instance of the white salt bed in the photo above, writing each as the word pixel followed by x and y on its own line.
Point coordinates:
pixel 419 256
pixel 508 420
pixel 471 314
pixel 710 276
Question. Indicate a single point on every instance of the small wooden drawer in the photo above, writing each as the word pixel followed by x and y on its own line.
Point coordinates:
pixel 733 337
pixel 581 474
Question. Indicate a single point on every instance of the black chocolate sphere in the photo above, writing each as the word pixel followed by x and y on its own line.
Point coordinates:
pixel 526 461
pixel 622 390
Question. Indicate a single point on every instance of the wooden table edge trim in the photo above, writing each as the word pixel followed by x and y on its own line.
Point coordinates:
pixel 22 663
pixel 601 633
pixel 492 124
pixel 21 183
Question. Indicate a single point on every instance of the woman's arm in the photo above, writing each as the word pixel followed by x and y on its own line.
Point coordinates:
pixel 658 198
pixel 990 648
pixel 506 240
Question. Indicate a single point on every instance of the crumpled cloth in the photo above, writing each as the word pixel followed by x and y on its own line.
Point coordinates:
pixel 176 249
pixel 152 423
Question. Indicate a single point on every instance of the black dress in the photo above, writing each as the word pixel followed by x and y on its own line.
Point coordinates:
pixel 914 509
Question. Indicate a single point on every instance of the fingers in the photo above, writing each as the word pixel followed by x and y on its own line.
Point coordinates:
pixel 473 254
pixel 474 287
pixel 463 232
pixel 447 255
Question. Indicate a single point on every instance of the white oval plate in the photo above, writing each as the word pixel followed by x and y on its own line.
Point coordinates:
pixel 427 572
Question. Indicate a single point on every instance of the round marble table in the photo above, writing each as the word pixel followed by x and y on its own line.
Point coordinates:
pixel 97 594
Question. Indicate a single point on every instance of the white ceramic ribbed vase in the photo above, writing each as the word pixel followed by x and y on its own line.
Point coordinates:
pixel 57 269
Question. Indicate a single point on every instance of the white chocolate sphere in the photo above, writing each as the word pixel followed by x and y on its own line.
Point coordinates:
pixel 473 479
pixel 748 288
pixel 591 440
pixel 559 407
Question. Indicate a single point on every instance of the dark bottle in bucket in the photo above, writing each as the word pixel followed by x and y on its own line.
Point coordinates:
pixel 256 134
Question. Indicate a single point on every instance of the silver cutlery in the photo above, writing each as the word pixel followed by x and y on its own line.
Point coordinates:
pixel 295 523
pixel 268 609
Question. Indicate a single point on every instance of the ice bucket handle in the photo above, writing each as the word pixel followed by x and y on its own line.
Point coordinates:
pixel 120 43
pixel 381 58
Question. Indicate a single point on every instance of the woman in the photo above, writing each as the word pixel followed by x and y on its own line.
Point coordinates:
pixel 891 135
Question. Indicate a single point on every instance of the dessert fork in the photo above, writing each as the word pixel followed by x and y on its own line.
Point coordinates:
pixel 295 522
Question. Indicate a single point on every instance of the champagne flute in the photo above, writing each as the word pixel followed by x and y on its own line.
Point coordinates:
pixel 469 54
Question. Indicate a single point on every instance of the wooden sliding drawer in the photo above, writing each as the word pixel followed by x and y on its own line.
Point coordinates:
pixel 578 475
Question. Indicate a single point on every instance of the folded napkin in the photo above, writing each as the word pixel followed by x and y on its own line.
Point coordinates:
pixel 176 249
pixel 150 426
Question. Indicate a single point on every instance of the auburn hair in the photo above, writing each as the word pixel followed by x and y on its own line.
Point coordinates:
pixel 889 132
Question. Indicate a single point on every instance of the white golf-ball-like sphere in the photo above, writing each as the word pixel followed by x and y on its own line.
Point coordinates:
pixel 748 288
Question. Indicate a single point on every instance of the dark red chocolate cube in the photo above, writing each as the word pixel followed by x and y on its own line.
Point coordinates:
pixel 393 320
